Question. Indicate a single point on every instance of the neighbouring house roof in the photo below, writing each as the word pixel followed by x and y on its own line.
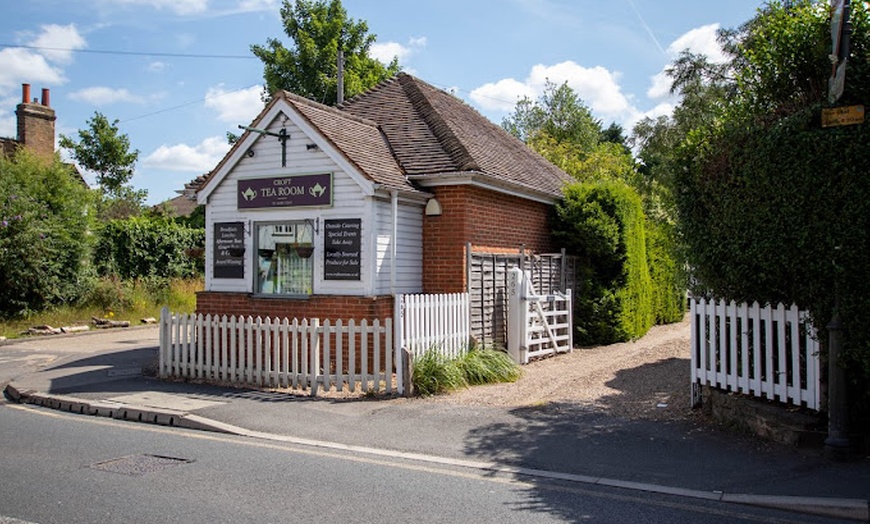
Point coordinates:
pixel 406 134
pixel 185 203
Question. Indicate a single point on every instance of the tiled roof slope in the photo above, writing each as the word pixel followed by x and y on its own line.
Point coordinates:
pixel 359 140
pixel 432 132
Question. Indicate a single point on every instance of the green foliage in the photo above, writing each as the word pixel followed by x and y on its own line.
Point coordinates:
pixel 145 247
pixel 104 151
pixel 435 373
pixel 309 67
pixel 603 224
pixel 44 242
pixel 669 280
pixel 488 366
pixel 771 206
pixel 559 114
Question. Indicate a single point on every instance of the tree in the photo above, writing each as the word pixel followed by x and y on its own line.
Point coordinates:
pixel 318 29
pixel 44 241
pixel 559 114
pixel 102 150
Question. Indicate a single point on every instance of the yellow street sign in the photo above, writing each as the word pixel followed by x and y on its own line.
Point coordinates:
pixel 842 116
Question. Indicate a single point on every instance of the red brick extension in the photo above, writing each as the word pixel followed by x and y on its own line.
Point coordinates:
pixel 492 222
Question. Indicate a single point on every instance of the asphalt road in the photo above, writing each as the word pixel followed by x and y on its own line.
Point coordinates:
pixel 61 468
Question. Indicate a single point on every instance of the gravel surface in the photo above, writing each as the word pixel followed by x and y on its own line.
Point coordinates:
pixel 645 379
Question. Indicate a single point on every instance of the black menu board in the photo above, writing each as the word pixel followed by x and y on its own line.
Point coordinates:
pixel 229 250
pixel 342 242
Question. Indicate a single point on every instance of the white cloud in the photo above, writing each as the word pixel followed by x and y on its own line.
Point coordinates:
pixel 596 86
pixel 502 95
pixel 182 157
pixel 18 64
pixel 701 40
pixel 180 7
pixel 156 67
pixel 258 5
pixel 386 51
pixel 60 41
pixel 8 126
pixel 102 96
pixel 239 106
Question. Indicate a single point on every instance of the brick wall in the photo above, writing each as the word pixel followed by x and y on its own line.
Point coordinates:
pixel 331 307
pixel 492 222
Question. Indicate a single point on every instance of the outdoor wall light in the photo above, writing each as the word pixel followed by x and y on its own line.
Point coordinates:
pixel 433 208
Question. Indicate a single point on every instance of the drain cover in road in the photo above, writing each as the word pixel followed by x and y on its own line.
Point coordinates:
pixel 136 465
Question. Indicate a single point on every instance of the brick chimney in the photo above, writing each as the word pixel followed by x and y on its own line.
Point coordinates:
pixel 36 123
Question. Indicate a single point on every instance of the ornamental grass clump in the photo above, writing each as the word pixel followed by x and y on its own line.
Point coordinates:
pixel 488 366
pixel 436 373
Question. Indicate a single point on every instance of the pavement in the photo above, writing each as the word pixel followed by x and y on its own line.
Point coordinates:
pixel 110 373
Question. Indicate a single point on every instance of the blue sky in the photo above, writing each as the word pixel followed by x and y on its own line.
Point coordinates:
pixel 122 58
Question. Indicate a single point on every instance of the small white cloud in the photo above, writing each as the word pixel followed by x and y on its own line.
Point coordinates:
pixel 8 126
pixel 239 106
pixel 502 95
pixel 182 157
pixel 156 67
pixel 103 96
pixel 701 40
pixel 386 51
pixel 258 5
pixel 661 86
pixel 180 7
pixel 59 42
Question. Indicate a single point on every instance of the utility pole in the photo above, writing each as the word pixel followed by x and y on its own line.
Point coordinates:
pixel 340 87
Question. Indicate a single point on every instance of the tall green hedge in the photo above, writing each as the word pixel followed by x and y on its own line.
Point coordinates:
pixel 145 246
pixel 781 213
pixel 603 223
pixel 669 279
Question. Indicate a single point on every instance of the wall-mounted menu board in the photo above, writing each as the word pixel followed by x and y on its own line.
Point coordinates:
pixel 342 242
pixel 229 250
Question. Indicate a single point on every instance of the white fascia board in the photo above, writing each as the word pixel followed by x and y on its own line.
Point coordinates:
pixel 485 182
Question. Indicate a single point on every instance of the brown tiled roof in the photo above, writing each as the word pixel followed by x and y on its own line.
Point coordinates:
pixel 433 133
pixel 359 140
pixel 404 127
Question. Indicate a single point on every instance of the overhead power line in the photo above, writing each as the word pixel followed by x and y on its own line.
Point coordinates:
pixel 130 53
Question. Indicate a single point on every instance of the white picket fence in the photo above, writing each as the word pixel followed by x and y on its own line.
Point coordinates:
pixel 538 325
pixel 434 322
pixel 764 351
pixel 306 354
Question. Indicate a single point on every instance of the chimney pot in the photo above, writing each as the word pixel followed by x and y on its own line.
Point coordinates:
pixel 25 93
pixel 46 97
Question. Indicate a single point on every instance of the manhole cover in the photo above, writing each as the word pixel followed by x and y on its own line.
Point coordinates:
pixel 138 464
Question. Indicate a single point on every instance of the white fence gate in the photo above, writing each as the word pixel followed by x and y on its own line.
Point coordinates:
pixel 303 354
pixel 538 325
pixel 439 322
pixel 769 352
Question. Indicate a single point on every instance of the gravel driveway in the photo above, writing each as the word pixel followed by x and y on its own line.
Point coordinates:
pixel 646 379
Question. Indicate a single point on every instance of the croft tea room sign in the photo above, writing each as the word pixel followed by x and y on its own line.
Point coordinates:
pixel 342 246
pixel 285 191
pixel 229 250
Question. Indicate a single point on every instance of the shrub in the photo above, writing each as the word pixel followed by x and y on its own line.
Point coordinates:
pixel 435 373
pixel 146 247
pixel 488 366
pixel 44 241
pixel 669 280
pixel 603 223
